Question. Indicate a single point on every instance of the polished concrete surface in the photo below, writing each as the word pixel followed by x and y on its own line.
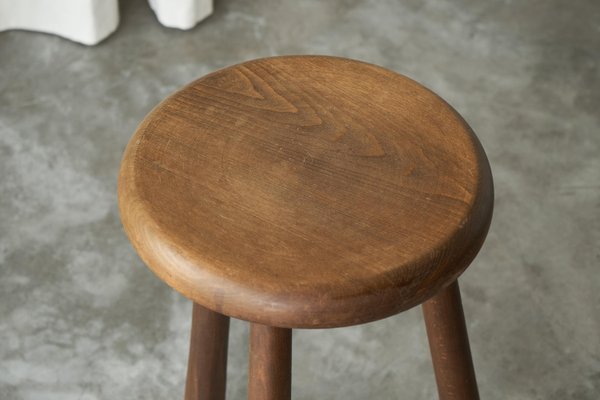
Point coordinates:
pixel 82 318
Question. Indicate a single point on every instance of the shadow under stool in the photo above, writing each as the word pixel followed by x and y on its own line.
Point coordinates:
pixel 307 192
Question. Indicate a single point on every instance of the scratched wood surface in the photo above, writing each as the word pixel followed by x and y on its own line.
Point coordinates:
pixel 305 191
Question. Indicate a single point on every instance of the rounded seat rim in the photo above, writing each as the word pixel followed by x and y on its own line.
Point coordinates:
pixel 182 269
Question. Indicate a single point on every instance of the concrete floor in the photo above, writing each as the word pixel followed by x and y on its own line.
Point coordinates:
pixel 82 318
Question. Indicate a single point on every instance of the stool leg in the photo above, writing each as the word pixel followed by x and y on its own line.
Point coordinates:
pixel 207 364
pixel 449 345
pixel 270 374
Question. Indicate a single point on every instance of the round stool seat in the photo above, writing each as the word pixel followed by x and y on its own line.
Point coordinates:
pixel 305 191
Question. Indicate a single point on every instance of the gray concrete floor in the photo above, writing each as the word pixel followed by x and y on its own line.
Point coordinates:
pixel 82 318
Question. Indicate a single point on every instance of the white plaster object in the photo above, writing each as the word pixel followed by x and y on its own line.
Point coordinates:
pixel 91 21
pixel 182 14
pixel 84 21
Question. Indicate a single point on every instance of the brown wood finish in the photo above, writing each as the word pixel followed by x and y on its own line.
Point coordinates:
pixel 305 191
pixel 207 364
pixel 270 375
pixel 449 344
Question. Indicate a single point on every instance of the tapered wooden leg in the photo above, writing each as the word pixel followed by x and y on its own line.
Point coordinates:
pixel 449 345
pixel 270 374
pixel 207 364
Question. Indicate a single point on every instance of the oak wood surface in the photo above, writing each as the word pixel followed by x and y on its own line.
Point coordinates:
pixel 270 370
pixel 305 191
pixel 207 363
pixel 449 345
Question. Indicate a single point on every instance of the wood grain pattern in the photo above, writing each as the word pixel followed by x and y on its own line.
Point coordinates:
pixel 207 363
pixel 270 372
pixel 305 191
pixel 449 345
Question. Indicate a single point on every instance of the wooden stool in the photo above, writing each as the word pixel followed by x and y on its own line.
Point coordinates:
pixel 307 192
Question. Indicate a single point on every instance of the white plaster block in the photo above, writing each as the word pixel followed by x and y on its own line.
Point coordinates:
pixel 90 21
pixel 182 14
pixel 84 21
